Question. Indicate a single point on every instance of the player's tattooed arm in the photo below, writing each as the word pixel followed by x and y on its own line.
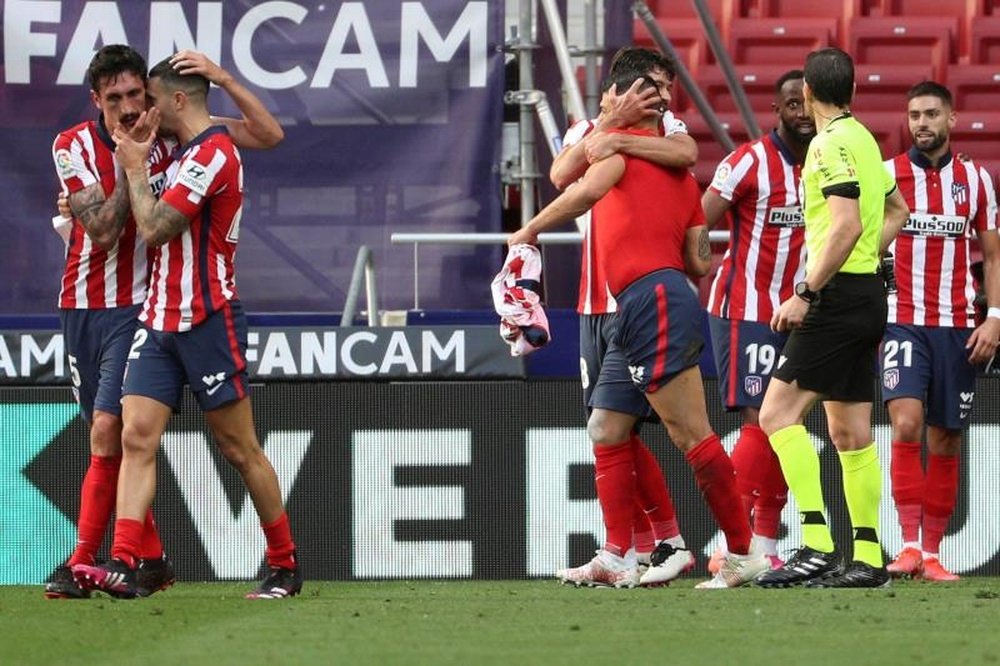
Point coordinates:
pixel 697 251
pixel 157 221
pixel 102 218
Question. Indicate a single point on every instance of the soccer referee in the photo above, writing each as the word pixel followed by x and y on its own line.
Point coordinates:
pixel 852 211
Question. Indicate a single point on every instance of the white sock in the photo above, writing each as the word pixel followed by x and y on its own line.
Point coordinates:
pixel 928 556
pixel 767 545
pixel 676 542
pixel 915 545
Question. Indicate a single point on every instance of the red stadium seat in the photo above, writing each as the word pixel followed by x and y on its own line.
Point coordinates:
pixel 892 40
pixel 985 40
pixel 965 10
pixel 757 81
pixel 841 10
pixel 779 41
pixel 721 10
pixel 975 88
pixel 977 135
pixel 884 88
pixel 686 35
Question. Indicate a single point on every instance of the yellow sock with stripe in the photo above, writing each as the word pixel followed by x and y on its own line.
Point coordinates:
pixel 800 465
pixel 863 491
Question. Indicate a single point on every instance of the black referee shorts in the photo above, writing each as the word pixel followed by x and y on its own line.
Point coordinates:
pixel 834 352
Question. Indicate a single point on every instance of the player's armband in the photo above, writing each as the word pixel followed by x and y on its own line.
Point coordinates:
pixel 846 190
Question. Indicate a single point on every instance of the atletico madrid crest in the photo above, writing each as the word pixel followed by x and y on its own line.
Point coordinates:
pixel 959 193
pixel 890 378
pixel 753 385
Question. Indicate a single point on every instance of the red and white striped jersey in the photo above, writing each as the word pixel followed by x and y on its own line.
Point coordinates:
pixel 766 254
pixel 595 296
pixel 193 274
pixel 934 286
pixel 93 278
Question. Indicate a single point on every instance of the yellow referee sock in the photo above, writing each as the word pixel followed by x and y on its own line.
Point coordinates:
pixel 800 465
pixel 863 491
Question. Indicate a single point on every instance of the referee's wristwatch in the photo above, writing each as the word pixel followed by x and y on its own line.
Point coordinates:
pixel 803 291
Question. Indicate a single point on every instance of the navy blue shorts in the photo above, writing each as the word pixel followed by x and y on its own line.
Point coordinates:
pixel 932 365
pixel 658 331
pixel 598 351
pixel 743 378
pixel 97 343
pixel 210 358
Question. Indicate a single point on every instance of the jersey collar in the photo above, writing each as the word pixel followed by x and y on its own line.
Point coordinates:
pixel 103 134
pixel 782 148
pixel 921 160
pixel 214 129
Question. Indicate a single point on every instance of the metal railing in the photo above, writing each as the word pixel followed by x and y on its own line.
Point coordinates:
pixel 364 268
pixel 444 238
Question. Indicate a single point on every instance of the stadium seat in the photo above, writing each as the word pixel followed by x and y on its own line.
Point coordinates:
pixel 757 80
pixel 883 88
pixel 892 40
pixel 975 88
pixel 779 41
pixel 710 152
pixel 841 10
pixel 721 10
pixel 964 10
pixel 977 135
pixel 985 40
pixel 686 35
pixel 889 129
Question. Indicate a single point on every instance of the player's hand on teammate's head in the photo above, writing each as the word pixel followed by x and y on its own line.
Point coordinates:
pixel 632 106
pixel 194 62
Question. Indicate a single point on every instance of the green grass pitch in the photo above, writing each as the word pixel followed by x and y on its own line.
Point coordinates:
pixel 509 622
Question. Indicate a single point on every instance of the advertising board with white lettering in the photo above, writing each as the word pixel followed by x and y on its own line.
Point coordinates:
pixel 418 480
pixel 290 353
pixel 392 114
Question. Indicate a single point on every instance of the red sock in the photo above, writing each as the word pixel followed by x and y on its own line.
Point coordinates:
pixel 773 497
pixel 940 495
pixel 280 547
pixel 651 487
pixel 97 502
pixel 752 449
pixel 152 549
pixel 642 531
pixel 614 476
pixel 907 474
pixel 713 471
pixel 128 541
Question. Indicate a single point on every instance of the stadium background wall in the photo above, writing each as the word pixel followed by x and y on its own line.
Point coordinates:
pixel 413 480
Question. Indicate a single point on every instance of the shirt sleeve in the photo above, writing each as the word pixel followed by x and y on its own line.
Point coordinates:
pixel 889 182
pixel 576 132
pixel 834 164
pixel 67 152
pixel 986 204
pixel 199 176
pixel 697 213
pixel 730 181
pixel 673 125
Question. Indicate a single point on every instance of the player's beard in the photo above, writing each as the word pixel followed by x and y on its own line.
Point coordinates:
pixel 926 145
pixel 793 131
